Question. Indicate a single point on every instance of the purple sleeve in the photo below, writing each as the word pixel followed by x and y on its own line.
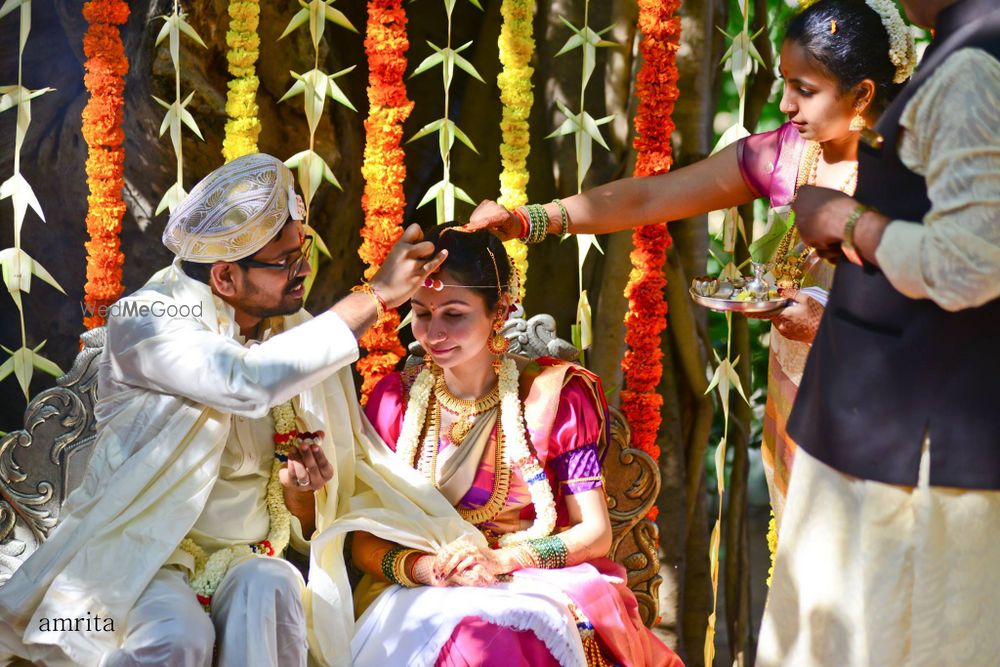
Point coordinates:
pixel 579 470
pixel 756 155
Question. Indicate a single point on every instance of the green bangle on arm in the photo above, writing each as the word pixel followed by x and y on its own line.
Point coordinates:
pixel 394 566
pixel 538 223
pixel 563 217
pixel 552 552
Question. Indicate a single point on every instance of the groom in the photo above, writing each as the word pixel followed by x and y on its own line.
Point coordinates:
pixel 185 442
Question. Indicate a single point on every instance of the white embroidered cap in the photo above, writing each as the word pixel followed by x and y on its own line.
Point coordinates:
pixel 234 211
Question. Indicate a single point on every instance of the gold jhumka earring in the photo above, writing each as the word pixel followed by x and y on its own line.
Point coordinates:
pixel 498 343
pixel 857 123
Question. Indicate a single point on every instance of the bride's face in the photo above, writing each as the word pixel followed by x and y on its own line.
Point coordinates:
pixel 453 324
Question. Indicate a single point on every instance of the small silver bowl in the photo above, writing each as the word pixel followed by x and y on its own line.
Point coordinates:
pixel 725 290
pixel 705 285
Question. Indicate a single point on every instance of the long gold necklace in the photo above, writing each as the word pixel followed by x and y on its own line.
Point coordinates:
pixel 788 270
pixel 466 410
pixel 501 475
pixel 431 443
pixel 501 485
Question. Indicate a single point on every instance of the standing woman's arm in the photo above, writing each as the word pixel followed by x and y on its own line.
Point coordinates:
pixel 708 185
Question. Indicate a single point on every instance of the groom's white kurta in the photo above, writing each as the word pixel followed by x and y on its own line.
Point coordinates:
pixel 173 387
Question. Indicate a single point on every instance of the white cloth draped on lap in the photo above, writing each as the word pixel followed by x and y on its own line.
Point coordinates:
pixel 157 457
pixel 408 626
pixel 377 494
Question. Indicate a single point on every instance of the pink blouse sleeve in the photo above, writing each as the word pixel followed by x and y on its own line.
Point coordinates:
pixel 757 155
pixel 575 434
pixel 386 407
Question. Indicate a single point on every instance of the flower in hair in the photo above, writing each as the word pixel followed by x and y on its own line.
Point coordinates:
pixel 902 51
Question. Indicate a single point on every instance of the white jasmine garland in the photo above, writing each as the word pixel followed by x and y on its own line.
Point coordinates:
pixel 902 52
pixel 518 455
pixel 210 570
pixel 416 413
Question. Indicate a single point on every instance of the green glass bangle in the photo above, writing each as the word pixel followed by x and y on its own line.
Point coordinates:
pixel 388 561
pixel 538 223
pixel 551 551
pixel 564 217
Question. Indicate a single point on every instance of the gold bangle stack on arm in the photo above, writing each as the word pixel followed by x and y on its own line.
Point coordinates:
pixel 524 556
pixel 399 568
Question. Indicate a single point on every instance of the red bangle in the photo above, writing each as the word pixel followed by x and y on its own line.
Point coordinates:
pixel 524 222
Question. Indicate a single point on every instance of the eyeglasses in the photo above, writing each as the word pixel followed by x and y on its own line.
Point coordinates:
pixel 290 265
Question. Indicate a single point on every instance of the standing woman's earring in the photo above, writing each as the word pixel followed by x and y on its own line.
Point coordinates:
pixel 858 122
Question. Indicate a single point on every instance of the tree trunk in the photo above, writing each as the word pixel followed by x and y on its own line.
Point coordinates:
pixel 685 596
pixel 737 562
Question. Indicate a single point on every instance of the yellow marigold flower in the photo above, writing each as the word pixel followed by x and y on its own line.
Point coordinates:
pixel 243 126
pixel 516 48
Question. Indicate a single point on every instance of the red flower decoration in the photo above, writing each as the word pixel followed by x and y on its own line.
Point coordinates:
pixel 383 170
pixel 656 88
pixel 105 67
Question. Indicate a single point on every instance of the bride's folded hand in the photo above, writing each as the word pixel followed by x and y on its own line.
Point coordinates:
pixel 461 563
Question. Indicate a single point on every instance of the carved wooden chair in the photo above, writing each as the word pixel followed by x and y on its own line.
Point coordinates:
pixel 42 463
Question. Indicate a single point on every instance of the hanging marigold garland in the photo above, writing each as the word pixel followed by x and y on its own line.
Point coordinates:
pixel 106 66
pixel 516 48
pixel 383 170
pixel 656 86
pixel 243 126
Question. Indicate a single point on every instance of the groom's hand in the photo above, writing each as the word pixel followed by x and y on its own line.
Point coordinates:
pixel 409 263
pixel 307 469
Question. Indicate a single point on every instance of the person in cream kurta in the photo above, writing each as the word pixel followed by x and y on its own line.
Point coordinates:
pixel 184 449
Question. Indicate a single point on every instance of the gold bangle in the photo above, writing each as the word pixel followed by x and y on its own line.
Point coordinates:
pixel 524 556
pixel 847 244
pixel 399 568
pixel 380 304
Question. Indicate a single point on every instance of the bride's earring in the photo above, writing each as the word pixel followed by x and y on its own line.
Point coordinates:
pixel 857 123
pixel 497 345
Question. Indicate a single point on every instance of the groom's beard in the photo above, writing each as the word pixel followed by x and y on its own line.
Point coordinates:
pixel 254 303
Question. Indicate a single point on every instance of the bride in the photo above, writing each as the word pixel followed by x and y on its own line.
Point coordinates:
pixel 514 446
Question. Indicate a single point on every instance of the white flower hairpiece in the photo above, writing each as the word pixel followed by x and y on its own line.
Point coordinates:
pixel 902 51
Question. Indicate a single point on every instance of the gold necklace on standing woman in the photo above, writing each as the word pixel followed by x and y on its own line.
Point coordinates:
pixel 788 270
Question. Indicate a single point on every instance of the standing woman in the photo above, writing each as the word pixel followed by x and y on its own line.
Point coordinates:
pixel 842 61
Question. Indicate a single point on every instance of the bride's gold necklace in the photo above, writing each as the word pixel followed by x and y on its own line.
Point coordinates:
pixel 466 410
pixel 501 471
pixel 787 270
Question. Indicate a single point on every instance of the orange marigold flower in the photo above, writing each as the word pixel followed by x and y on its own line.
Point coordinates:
pixel 106 66
pixel 383 201
pixel 656 88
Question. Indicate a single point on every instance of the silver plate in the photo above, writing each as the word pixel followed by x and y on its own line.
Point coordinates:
pixel 733 305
